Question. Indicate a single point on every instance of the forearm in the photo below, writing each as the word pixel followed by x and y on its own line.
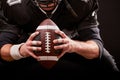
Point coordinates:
pixel 88 49
pixel 5 52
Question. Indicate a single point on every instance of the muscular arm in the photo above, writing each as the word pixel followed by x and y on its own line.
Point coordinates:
pixel 11 51
pixel 88 49
pixel 8 36
pixel 88 42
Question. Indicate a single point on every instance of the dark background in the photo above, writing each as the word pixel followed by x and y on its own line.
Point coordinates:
pixel 109 19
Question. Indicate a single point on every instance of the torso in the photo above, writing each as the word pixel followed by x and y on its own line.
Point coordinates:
pixel 28 16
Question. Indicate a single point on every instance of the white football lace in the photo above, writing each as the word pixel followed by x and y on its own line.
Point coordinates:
pixel 47 42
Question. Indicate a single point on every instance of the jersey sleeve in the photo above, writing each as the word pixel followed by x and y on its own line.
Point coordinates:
pixel 88 29
pixel 8 32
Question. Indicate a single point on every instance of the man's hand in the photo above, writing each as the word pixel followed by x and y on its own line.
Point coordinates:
pixel 67 44
pixel 28 48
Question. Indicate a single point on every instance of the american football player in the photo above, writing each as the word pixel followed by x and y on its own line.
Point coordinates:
pixel 83 49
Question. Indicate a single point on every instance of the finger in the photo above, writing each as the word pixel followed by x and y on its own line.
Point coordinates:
pixel 60 41
pixel 61 33
pixel 63 46
pixel 31 51
pixel 32 54
pixel 32 36
pixel 34 49
pixel 35 43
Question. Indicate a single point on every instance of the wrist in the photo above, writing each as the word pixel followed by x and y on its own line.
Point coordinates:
pixel 15 53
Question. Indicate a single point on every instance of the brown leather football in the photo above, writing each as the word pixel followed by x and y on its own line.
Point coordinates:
pixel 48 56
